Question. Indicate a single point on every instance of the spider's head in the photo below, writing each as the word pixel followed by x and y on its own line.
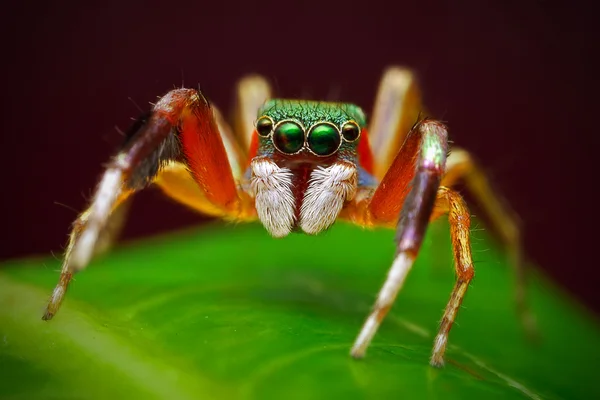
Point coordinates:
pixel 309 131
pixel 306 163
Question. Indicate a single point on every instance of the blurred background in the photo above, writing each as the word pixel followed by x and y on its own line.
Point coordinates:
pixel 516 83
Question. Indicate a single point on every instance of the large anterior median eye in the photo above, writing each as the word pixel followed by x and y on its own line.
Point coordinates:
pixel 324 139
pixel 288 137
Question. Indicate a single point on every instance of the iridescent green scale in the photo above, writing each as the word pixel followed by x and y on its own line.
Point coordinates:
pixel 311 112
pixel 322 128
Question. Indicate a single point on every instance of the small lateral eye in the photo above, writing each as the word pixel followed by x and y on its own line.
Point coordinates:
pixel 264 126
pixel 350 131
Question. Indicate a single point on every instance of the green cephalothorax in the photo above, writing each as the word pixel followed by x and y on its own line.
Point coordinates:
pixel 321 128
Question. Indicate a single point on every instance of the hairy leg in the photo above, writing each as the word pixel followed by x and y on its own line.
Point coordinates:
pixel 450 203
pixel 408 190
pixel 182 127
pixel 461 167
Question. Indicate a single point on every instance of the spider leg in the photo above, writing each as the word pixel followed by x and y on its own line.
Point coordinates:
pixel 409 189
pixel 182 129
pixel 397 108
pixel 451 203
pixel 461 166
pixel 252 92
pixel 114 226
pixel 176 182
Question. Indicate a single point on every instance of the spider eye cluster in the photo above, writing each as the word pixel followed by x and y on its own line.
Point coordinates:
pixel 322 138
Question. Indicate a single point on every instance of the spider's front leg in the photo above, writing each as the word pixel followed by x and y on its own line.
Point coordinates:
pixel 177 145
pixel 411 189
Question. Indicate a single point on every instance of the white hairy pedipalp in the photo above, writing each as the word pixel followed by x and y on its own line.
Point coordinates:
pixel 271 187
pixel 327 191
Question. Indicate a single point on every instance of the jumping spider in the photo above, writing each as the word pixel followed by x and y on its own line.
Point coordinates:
pixel 299 165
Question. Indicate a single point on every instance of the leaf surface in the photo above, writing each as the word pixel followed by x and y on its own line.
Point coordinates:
pixel 228 312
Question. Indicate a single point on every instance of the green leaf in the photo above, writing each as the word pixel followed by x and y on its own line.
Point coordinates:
pixel 228 312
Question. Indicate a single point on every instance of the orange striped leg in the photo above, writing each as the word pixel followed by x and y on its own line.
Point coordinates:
pixel 450 202
pixel 461 166
pixel 182 117
pixel 411 184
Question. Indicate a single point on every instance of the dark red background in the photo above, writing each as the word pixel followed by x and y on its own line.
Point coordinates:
pixel 517 84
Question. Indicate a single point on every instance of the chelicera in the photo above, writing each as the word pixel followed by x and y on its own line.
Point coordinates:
pixel 299 165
